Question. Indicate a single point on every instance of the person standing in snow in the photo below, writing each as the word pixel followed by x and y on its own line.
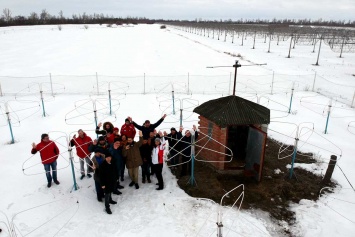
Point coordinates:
pixel 158 159
pixel 147 127
pixel 123 145
pixel 99 143
pixel 186 149
pixel 174 146
pixel 146 154
pixel 97 160
pixel 133 158
pixel 49 154
pixel 128 129
pixel 117 158
pixel 108 178
pixel 107 131
pixel 82 143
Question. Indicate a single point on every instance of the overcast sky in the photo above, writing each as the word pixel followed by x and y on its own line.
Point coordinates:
pixel 192 9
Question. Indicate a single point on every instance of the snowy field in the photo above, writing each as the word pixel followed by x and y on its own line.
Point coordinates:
pixel 141 65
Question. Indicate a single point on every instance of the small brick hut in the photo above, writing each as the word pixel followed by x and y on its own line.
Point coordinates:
pixel 238 124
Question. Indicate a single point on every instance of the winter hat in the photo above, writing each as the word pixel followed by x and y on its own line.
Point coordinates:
pixel 126 120
pixel 115 129
pixel 117 139
pixel 80 130
pixel 108 154
pixel 44 135
pixel 172 129
pixel 101 138
pixel 98 149
pixel 157 139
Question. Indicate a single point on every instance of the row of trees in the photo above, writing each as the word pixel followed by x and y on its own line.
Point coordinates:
pixel 44 18
pixel 7 19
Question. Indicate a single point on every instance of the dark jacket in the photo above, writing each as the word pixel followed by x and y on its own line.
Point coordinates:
pixel 146 152
pixel 147 130
pixel 173 140
pixel 185 144
pixel 104 147
pixel 97 161
pixel 108 176
pixel 117 157
pixel 133 155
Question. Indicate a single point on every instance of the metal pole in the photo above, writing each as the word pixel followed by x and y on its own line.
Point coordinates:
pixel 232 37
pixel 50 79
pixel 342 45
pixel 173 102
pixel 269 44
pixel 326 125
pixel 97 84
pixel 289 108
pixel 44 112
pixel 1 90
pixel 272 82
pixel 236 65
pixel 352 104
pixel 144 84
pixel 230 82
pixel 314 46
pixel 180 117
pixel 75 187
pixel 242 38
pixel 294 155
pixel 109 97
pixel 95 116
pixel 254 40
pixel 188 82
pixel 192 180
pixel 289 50
pixel 320 44
pixel 9 122
pixel 314 80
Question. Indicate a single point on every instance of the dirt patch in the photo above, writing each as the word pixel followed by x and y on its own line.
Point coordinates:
pixel 273 194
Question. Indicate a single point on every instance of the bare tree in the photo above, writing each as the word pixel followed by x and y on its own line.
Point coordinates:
pixel 7 14
pixel 61 15
pixel 44 16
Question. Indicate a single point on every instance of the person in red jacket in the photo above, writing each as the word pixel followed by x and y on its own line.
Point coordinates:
pixel 49 154
pixel 82 144
pixel 128 129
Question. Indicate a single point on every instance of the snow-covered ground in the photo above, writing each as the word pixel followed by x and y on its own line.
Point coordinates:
pixel 121 56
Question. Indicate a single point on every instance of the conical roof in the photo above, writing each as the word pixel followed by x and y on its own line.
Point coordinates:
pixel 233 110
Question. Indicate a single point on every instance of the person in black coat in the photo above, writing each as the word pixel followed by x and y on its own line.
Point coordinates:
pixel 147 127
pixel 117 158
pixel 146 154
pixel 185 147
pixel 108 178
pixel 174 145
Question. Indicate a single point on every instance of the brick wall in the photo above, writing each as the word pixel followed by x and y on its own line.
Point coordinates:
pixel 219 134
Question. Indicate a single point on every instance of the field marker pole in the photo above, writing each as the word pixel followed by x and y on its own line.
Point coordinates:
pixel 41 92
pixel 294 153
pixel 9 122
pixel 50 79
pixel 293 88
pixel 314 80
pixel 71 157
pixel 1 90
pixel 320 44
pixel 352 104
pixel 97 84
pixel 272 82
pixel 192 180
pixel 289 49
pixel 180 117
pixel 326 125
pixel 109 97
pixel 95 115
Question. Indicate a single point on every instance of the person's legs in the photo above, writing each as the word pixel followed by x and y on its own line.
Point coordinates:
pixel 158 172
pixel 122 170
pixel 135 174
pixel 82 162
pixel 88 165
pixel 131 176
pixel 99 191
pixel 47 168
pixel 184 165
pixel 54 172
pixel 107 200
pixel 148 172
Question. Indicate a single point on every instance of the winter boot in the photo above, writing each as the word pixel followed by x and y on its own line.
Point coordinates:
pixel 113 202
pixel 82 176
pixel 131 184
pixel 143 181
pixel 89 176
pixel 49 184
pixel 149 181
pixel 117 192
pixel 108 210
pixel 56 182
pixel 137 186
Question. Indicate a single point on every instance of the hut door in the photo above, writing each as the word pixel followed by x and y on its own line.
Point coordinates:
pixel 254 159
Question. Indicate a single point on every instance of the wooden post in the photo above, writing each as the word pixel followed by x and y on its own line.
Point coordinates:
pixel 329 173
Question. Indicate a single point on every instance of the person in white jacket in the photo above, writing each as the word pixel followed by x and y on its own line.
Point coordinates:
pixel 158 159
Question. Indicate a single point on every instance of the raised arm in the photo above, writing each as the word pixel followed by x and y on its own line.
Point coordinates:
pixel 158 122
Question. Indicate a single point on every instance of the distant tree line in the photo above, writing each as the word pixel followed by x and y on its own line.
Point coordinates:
pixel 45 18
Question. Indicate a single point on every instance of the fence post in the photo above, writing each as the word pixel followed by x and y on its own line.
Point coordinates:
pixel 192 180
pixel 144 83
pixel 326 125
pixel 71 157
pixel 9 122
pixel 97 84
pixel 50 79
pixel 272 82
pixel 44 111
pixel 293 88
pixel 188 82
pixel 330 169
pixel 320 45
pixel 173 97
pixel 314 80
pixel 289 50
pixel 294 154
pixel 180 117
pixel 0 90
pixel 352 104
pixel 109 96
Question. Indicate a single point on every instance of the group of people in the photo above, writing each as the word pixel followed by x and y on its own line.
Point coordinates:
pixel 116 150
